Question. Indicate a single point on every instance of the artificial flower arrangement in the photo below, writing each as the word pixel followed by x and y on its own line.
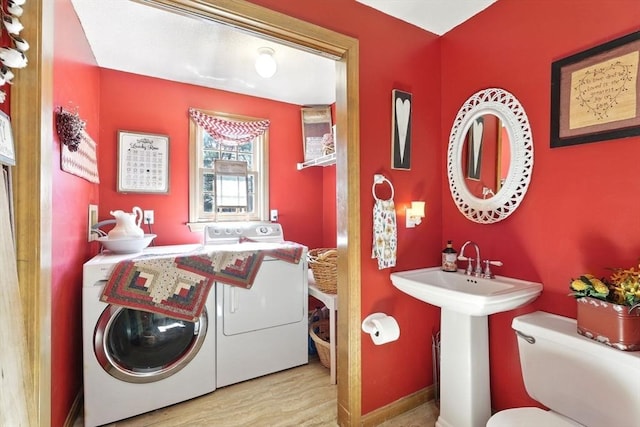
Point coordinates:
pixel 623 287
pixel 70 127
pixel 609 309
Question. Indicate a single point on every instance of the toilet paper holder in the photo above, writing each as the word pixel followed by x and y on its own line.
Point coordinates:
pixel 370 326
pixel 367 323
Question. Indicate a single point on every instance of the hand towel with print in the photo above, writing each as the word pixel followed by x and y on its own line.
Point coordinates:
pixel 385 241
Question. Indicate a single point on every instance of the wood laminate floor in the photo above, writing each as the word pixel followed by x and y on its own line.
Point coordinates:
pixel 296 397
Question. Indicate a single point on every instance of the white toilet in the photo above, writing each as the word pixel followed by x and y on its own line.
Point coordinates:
pixel 581 381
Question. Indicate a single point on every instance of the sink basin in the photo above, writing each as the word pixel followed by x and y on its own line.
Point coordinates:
pixel 470 295
pixel 466 302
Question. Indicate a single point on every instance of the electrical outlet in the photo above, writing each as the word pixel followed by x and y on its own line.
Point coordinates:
pixel 274 215
pixel 148 217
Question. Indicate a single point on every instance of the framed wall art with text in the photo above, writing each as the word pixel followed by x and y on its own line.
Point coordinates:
pixel 595 94
pixel 143 162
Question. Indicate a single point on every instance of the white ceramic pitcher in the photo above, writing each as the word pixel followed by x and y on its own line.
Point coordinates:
pixel 127 224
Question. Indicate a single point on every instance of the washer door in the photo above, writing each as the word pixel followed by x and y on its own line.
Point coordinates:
pixel 141 347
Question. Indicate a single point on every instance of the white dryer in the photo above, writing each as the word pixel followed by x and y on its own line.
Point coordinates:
pixel 136 361
pixel 263 329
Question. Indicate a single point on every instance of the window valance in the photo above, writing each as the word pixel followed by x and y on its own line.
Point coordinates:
pixel 229 132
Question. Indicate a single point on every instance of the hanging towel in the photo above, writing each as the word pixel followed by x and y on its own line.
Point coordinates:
pixel 385 240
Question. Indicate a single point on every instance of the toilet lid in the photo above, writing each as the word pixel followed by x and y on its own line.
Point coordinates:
pixel 529 417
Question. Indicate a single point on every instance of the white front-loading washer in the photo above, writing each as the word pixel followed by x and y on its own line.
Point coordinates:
pixel 136 361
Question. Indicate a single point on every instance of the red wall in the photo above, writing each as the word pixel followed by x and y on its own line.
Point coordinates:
pixel 143 104
pixel 580 213
pixel 76 88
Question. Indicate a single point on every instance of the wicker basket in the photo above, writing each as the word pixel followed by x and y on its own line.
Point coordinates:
pixel 324 266
pixel 319 332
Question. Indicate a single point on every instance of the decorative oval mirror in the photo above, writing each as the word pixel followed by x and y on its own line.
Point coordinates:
pixel 490 156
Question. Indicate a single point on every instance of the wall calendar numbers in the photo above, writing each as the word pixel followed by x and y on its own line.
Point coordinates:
pixel 143 162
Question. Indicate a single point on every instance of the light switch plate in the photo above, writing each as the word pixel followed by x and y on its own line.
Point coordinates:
pixel 93 219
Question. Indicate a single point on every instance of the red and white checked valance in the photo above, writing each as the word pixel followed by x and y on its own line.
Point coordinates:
pixel 229 132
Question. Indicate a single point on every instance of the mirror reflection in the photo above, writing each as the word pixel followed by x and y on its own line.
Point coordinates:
pixel 490 156
pixel 486 156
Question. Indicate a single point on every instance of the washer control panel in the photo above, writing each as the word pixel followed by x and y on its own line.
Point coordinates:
pixel 266 230
pixel 232 232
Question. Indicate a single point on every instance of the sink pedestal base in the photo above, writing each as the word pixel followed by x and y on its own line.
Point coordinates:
pixel 465 399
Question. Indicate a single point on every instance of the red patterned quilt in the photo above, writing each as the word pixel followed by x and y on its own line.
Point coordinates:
pixel 177 285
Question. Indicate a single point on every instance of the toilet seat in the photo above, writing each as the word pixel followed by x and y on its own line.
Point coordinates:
pixel 529 417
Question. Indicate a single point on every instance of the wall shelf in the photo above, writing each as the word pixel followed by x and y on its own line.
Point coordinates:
pixel 327 160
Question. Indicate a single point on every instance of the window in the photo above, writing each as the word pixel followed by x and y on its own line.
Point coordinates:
pixel 225 194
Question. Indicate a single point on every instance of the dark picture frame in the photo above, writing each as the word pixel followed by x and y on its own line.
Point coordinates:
pixel 401 129
pixel 595 94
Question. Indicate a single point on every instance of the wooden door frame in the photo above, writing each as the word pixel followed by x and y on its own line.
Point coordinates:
pixel 32 116
pixel 32 123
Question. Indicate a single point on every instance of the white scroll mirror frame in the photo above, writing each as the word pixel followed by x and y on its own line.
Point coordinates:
pixel 507 108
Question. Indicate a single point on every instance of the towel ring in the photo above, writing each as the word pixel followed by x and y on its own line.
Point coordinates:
pixel 379 179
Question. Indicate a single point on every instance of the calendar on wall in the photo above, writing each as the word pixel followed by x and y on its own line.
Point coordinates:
pixel 143 162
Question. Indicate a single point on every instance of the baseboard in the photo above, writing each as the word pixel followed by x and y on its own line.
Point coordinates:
pixel 74 411
pixel 398 407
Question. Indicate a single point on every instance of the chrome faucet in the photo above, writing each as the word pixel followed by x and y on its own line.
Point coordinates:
pixel 487 273
pixel 469 271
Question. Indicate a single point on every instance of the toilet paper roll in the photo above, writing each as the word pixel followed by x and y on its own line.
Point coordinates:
pixel 385 329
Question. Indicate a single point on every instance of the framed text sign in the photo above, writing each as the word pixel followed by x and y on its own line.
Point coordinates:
pixel 143 162
pixel 595 94
pixel 7 153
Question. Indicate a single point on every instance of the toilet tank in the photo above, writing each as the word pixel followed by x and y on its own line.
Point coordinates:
pixel 587 381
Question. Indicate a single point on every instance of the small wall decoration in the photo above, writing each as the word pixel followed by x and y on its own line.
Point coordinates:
pixel 70 127
pixel 317 134
pixel 595 94
pixel 7 152
pixel 143 162
pixel 83 162
pixel 401 130
pixel 11 56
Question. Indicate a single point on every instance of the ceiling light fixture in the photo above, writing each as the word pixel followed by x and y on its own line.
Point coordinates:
pixel 265 63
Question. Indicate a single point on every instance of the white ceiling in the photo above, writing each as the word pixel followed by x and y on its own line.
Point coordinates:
pixel 140 39
pixel 436 16
pixel 135 38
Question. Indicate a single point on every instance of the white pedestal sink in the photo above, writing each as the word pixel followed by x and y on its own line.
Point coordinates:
pixel 466 301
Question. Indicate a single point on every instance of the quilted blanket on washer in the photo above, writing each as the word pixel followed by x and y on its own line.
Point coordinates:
pixel 177 285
